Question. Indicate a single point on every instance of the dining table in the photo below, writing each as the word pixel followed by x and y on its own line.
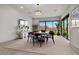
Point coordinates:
pixel 39 37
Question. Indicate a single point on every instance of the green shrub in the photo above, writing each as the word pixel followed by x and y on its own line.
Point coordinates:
pixel 64 34
pixel 51 33
pixel 58 33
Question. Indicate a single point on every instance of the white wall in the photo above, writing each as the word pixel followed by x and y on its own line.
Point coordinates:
pixel 75 37
pixel 72 7
pixel 73 31
pixel 69 10
pixel 8 22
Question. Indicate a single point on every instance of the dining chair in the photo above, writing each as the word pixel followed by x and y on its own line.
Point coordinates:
pixel 37 38
pixel 50 36
pixel 30 35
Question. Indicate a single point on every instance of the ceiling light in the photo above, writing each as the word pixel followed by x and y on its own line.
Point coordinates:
pixel 38 12
pixel 37 4
pixel 21 6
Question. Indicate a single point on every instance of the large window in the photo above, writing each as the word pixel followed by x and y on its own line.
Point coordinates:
pixel 51 26
pixel 48 25
pixel 42 25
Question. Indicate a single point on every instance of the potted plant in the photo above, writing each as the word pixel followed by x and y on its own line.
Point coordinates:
pixel 58 25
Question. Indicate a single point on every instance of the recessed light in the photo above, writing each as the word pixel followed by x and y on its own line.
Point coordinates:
pixel 37 4
pixel 21 7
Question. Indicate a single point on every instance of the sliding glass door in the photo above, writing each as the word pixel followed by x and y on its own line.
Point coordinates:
pixel 65 27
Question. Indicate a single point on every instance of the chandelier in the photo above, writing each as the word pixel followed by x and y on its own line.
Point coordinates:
pixel 38 12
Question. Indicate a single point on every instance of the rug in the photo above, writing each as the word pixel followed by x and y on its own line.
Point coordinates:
pixel 61 47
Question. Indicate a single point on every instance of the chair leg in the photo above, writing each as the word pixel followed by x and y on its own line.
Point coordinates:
pixel 28 39
pixel 53 40
pixel 40 42
pixel 46 40
pixel 33 42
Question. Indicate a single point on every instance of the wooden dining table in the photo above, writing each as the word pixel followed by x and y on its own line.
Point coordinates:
pixel 40 37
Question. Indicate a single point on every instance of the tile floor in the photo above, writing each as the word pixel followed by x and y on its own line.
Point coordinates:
pixel 62 43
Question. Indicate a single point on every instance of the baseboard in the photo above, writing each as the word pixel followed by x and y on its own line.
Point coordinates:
pixel 6 41
pixel 74 48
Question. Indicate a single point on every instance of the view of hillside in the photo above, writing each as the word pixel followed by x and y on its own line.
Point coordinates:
pixel 48 28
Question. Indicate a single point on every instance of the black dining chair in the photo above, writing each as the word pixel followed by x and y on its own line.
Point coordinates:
pixel 30 34
pixel 50 35
pixel 37 38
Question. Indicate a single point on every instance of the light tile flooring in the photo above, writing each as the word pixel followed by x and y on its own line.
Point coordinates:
pixel 5 51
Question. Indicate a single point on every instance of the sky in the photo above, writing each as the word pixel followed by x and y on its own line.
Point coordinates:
pixel 49 24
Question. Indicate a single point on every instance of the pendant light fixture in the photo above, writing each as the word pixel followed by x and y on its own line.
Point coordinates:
pixel 37 12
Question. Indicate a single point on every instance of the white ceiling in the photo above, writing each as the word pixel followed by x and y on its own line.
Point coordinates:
pixel 48 10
